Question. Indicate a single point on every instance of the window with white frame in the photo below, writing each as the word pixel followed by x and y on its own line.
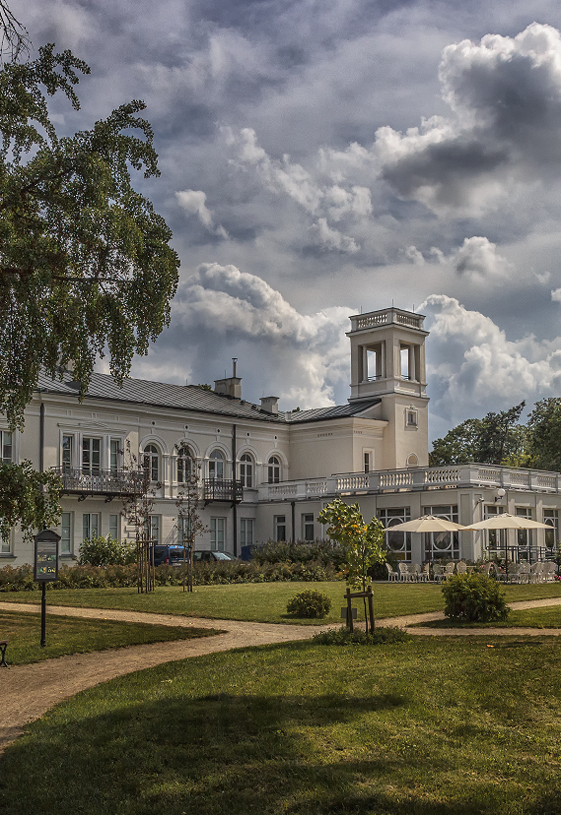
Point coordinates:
pixel 5 546
pixel 91 455
pixel 115 454
pixel 184 531
pixel 151 460
pixel 247 526
pixel 90 525
pixel 496 538
pixel 399 543
pixel 274 470
pixel 153 529
pixel 216 464
pixel 308 526
pixel 524 536
pixel 551 518
pixel 6 446
pixel 67 457
pixel 185 464
pixel 246 470
pixel 442 544
pixel 279 527
pixel 218 533
pixel 115 527
pixel 411 417
pixel 66 533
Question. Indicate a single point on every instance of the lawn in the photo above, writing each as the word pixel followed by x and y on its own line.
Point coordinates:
pixel 431 727
pixel 265 602
pixel 548 617
pixel 67 635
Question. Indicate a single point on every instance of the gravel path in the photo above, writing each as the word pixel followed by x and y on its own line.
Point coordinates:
pixel 28 691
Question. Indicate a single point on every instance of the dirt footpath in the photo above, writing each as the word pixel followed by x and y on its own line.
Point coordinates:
pixel 28 691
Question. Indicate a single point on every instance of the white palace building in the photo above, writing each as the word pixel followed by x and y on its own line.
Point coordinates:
pixel 265 474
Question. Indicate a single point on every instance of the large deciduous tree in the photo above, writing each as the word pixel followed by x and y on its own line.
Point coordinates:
pixel 544 435
pixel 85 261
pixel 498 438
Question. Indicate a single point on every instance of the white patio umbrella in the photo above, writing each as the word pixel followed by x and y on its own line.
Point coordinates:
pixel 427 523
pixel 506 521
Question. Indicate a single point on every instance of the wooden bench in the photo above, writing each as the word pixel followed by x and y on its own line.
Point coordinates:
pixel 3 646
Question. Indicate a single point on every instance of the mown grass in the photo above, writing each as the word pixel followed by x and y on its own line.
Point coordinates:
pixel 67 635
pixel 433 727
pixel 266 602
pixel 548 617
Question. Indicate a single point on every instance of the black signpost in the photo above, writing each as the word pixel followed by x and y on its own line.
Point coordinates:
pixel 45 570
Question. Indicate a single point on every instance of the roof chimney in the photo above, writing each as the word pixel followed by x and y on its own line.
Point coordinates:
pixel 270 404
pixel 231 386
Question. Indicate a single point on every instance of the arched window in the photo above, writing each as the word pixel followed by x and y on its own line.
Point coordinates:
pixel 216 464
pixel 274 470
pixel 185 465
pixel 152 461
pixel 246 470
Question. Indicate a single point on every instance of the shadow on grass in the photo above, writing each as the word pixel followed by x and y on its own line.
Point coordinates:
pixel 230 754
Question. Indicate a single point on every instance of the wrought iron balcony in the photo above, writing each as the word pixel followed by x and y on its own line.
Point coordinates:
pixel 110 483
pixel 222 489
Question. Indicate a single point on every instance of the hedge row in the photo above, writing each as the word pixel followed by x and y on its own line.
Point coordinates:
pixel 20 578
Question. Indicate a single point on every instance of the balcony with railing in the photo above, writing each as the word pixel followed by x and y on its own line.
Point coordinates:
pixel 222 489
pixel 108 483
pixel 414 479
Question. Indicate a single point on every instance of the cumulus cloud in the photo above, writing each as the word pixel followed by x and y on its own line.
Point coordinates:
pixel 325 201
pixel 194 203
pixel 474 368
pixel 476 259
pixel 303 358
pixel 505 95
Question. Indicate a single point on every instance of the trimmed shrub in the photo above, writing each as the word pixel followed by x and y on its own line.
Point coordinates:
pixel 100 551
pixel 380 636
pixel 474 597
pixel 325 552
pixel 309 604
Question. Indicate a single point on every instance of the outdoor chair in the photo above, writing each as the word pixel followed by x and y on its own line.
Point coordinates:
pixel 415 571
pixel 461 567
pixel 524 572
pixel 537 572
pixel 404 573
pixel 392 574
pixel 438 573
pixel 449 569
pixel 514 573
pixel 550 569
pixel 424 576
pixel 486 568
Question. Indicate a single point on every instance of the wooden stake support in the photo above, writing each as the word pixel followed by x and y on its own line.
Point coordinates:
pixel 350 596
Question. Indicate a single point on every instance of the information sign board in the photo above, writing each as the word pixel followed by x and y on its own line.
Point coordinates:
pixel 46 556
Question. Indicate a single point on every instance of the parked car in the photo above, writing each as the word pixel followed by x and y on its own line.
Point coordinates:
pixel 168 555
pixel 205 556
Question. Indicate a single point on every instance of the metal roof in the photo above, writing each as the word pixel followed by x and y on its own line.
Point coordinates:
pixel 189 397
pixel 334 412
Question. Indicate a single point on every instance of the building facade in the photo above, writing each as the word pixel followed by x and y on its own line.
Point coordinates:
pixel 264 474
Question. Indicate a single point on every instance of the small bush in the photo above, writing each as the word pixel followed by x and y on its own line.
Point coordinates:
pixel 100 551
pixel 309 604
pixel 380 636
pixel 474 597
pixel 328 553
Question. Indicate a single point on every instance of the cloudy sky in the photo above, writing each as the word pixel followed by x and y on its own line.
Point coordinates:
pixel 319 158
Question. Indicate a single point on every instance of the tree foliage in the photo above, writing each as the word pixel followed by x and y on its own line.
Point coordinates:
pixel 498 438
pixel 28 497
pixel 544 435
pixel 364 544
pixel 85 261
